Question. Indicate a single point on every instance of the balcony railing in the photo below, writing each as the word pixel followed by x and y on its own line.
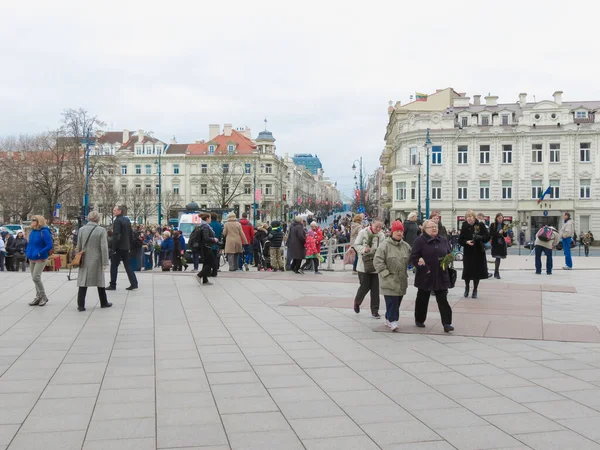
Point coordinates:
pixel 591 118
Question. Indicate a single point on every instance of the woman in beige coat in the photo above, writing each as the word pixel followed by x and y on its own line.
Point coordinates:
pixel 234 242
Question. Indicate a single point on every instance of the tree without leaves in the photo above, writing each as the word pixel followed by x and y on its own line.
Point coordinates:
pixel 169 200
pixel 225 184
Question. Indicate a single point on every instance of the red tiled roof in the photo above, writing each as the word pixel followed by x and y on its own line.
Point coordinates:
pixel 177 149
pixel 110 137
pixel 244 146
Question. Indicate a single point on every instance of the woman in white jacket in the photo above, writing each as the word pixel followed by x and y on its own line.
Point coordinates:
pixel 2 254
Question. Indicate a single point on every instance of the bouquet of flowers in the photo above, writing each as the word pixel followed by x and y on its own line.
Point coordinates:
pixel 446 261
pixel 510 225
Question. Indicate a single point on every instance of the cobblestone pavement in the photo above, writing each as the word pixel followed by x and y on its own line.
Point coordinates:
pixel 174 365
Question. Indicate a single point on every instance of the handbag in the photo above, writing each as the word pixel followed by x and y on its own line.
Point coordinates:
pixel 79 256
pixel 167 265
pixel 453 275
pixel 349 256
pixel 368 258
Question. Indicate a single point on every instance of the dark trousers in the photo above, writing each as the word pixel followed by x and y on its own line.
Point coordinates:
pixel 368 282
pixel 115 260
pixel 295 266
pixel 215 268
pixel 196 259
pixel 82 293
pixel 538 259
pixel 10 263
pixel 392 307
pixel 208 264
pixel 422 305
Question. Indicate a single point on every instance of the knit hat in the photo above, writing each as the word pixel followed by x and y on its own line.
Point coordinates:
pixel 397 226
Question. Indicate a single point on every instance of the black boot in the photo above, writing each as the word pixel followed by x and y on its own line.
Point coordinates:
pixel 467 290
pixel 474 293
pixel 497 269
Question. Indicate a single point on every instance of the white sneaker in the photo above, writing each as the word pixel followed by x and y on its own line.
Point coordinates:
pixel 394 326
pixel 566 268
pixel 388 323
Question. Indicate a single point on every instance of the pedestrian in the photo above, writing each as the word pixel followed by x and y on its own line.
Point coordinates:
pixel 235 240
pixel 166 249
pixel 411 228
pixel 20 248
pixel 366 244
pixel 260 237
pixel 156 242
pixel 296 241
pixel 391 263
pixel 2 253
pixel 9 243
pixel 473 235
pixel 586 240
pixel 567 230
pixel 195 245
pixel 122 239
pixel 435 216
pixel 38 250
pixel 498 233
pixel 428 249
pixel 318 242
pixel 147 248
pixel 248 255
pixel 276 252
pixel 545 239
pixel 355 228
pixel 217 228
pixel 94 242
pixel 207 240
pixel 177 252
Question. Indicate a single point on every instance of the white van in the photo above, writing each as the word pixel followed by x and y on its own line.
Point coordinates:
pixel 187 223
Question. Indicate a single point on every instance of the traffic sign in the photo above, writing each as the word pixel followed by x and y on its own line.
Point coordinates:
pixel 58 205
pixel 545 213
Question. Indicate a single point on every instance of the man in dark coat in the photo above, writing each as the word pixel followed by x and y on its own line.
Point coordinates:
pixel 296 240
pixel 411 228
pixel 122 238
pixel 426 252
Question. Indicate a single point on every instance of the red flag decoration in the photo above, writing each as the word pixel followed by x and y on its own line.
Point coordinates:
pixel 318 201
pixel 299 200
pixel 309 201
pixel 326 202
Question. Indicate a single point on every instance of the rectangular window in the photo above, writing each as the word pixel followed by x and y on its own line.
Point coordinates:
pixel 585 188
pixel 148 169
pixel 268 189
pixel 176 169
pixel 581 114
pixel 504 119
pixel 138 189
pixel 247 189
pixel 225 168
pixel 268 168
pixel 584 152
pixel 230 149
pixel 148 189
pixel 484 154
pixel 138 169
pixel 537 155
pixel 225 189
pixel 413 156
pixel 485 120
pixel 464 121
pixel 413 190
pixel 554 189
pixel 554 153
pixel 436 155
pixel 507 154
pixel 123 189
pixel 203 168
pixel 123 170
pixel 484 190
pixel 248 169
pixel 149 150
pixel 436 190
pixel 203 189
pixel 536 189
pixel 463 154
pixel 157 190
pixel 400 191
pixel 176 189
pixel 211 149
pixel 462 190
pixel 138 150
pixel 506 189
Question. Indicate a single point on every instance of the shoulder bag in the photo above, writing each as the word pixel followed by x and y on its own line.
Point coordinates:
pixel 79 256
pixel 369 257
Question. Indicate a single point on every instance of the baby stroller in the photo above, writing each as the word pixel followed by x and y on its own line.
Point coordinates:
pixel 264 256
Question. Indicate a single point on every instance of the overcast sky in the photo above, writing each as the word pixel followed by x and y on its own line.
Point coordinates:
pixel 322 72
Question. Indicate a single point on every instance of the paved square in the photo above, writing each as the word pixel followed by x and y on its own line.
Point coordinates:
pixel 262 361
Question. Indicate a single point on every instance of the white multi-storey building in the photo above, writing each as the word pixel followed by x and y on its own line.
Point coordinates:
pixel 496 157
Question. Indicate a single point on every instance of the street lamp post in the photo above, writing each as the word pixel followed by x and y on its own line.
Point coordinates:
pixel 419 191
pixel 360 171
pixel 254 205
pixel 427 194
pixel 86 195
pixel 158 163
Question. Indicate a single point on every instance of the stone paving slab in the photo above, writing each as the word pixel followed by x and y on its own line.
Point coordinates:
pixel 176 365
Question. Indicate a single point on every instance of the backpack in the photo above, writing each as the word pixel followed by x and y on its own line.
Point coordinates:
pixel 544 234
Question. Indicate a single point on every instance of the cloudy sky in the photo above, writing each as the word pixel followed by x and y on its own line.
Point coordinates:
pixel 322 72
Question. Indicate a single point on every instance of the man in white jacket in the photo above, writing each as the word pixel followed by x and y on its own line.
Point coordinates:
pixel 567 231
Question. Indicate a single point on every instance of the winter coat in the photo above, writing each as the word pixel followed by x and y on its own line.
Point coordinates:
pixel 248 230
pixel 474 259
pixel 411 230
pixel 310 245
pixel 430 277
pixel 296 241
pixel 259 238
pixel 176 248
pixel 10 246
pixel 361 243
pixel 497 234
pixel 20 245
pixel 167 245
pixel 354 230
pixel 276 237
pixel 235 236
pixel 567 230
pixel 91 273
pixel 217 228
pixel 391 263
pixel 40 244
pixel 551 243
pixel 318 238
pixel 122 234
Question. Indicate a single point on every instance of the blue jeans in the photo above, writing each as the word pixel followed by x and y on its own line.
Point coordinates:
pixel 247 257
pixel 566 242
pixel 392 307
pixel 538 259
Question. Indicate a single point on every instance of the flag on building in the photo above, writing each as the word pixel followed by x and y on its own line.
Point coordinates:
pixel 420 97
pixel 542 195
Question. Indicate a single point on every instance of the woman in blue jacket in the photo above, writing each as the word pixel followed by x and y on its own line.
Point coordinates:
pixel 40 244
pixel 166 248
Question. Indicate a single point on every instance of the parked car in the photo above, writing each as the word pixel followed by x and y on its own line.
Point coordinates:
pixel 5 228
pixel 529 245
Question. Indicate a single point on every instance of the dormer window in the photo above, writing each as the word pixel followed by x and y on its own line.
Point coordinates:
pixel 485 121
pixel 230 149
pixel 138 149
pixel 581 114
pixel 149 150
pixel 464 121
pixel 211 149
pixel 505 119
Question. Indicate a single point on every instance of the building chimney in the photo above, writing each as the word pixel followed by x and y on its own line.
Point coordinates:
pixel 491 100
pixel 558 97
pixel 227 129
pixel 476 100
pixel 522 99
pixel 247 133
pixel 213 131
pixel 125 136
pixel 140 135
